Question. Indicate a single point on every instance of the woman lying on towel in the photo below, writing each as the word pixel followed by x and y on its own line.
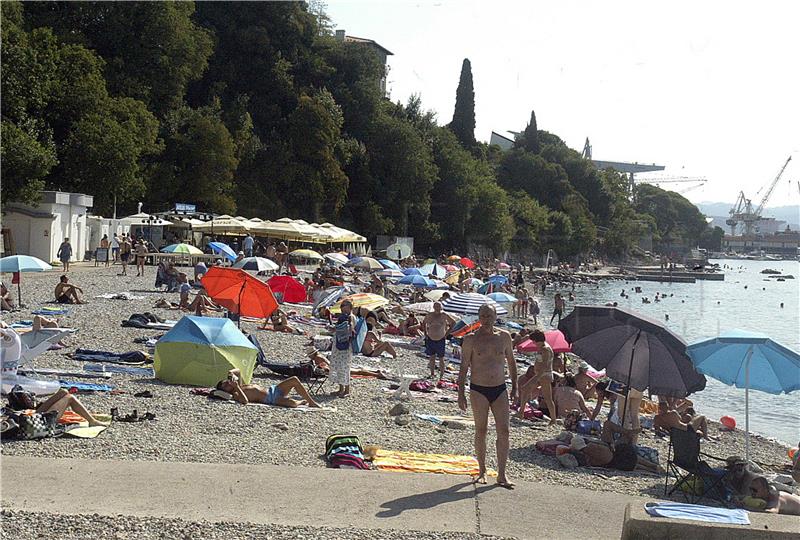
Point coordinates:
pixel 277 394
pixel 63 400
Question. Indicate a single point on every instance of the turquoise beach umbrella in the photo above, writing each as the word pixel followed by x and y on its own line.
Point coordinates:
pixel 22 263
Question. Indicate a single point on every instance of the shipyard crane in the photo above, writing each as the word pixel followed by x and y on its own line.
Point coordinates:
pixel 655 180
pixel 743 211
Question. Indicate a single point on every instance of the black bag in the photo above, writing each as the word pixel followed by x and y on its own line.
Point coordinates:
pixel 39 425
pixel 20 399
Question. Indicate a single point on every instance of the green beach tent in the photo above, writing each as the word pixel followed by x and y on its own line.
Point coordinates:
pixel 201 350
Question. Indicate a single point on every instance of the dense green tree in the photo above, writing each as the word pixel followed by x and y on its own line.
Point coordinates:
pixel 529 139
pixel 544 181
pixel 463 124
pixel 26 162
pixel 677 220
pixel 491 223
pixel 711 238
pixel 530 220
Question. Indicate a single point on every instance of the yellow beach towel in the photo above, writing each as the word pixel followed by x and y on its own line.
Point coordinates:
pixel 395 460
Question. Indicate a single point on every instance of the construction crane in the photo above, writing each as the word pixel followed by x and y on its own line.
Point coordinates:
pixel 743 212
pixel 655 180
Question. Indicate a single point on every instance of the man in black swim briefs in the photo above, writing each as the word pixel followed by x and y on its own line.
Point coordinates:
pixel 484 355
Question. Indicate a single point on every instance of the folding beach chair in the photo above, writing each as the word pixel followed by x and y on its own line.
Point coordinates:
pixel 694 477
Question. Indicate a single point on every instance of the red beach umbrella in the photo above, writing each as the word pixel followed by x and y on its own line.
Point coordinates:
pixel 239 292
pixel 467 263
pixel 554 338
pixel 288 287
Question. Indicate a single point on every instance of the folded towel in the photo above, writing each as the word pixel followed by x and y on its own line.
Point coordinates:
pixel 698 512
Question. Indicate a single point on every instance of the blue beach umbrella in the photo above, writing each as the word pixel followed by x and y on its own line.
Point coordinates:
pixel 420 282
pixel 22 263
pixel 488 287
pixel 411 271
pixel 390 264
pixel 747 360
pixel 502 298
pixel 221 248
pixel 496 278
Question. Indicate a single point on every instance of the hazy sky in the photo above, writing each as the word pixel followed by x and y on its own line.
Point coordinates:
pixel 705 88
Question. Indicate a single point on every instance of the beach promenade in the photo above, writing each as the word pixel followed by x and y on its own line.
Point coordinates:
pixel 303 496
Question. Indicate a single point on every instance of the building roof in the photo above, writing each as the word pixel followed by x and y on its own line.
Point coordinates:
pixel 365 41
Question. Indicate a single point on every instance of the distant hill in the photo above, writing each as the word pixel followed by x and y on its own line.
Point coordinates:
pixel 789 214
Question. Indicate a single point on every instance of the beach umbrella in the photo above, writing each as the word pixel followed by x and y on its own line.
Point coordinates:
pixel 15 264
pixel 256 264
pixel 330 297
pixel 365 263
pixel 502 298
pixel 305 254
pixel 398 251
pixel 450 268
pixel 239 292
pixel 365 300
pixel 435 295
pixel 287 289
pixel 389 273
pixel 433 269
pixel 420 307
pixel 470 304
pixel 454 258
pixel 633 349
pixel 221 248
pixel 201 351
pixel 441 284
pixel 420 282
pixel 467 263
pixel 488 287
pixel 472 282
pixel 452 278
pixel 554 338
pixel 412 272
pixel 496 278
pixel 748 360
pixel 184 249
pixel 390 264
pixel 336 258
pixel 503 266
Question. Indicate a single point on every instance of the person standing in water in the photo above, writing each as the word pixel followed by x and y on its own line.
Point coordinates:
pixel 558 308
pixel 484 355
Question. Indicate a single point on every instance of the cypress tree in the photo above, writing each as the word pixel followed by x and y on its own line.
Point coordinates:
pixel 531 141
pixel 463 124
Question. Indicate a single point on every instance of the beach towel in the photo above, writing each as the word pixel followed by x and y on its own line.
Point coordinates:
pixel 85 387
pixel 344 452
pixel 698 512
pixel 63 373
pixel 84 432
pixel 397 461
pixel 129 358
pixel 145 372
pixel 51 312
pixel 119 296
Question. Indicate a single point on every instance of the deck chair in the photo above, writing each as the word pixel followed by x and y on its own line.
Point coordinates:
pixel 37 342
pixel 694 477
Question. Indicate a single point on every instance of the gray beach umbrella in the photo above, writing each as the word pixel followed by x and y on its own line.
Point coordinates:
pixel 633 349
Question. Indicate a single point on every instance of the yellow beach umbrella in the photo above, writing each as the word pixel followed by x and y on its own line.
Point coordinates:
pixel 365 300
pixel 305 254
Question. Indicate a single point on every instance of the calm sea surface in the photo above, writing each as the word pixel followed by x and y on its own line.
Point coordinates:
pixel 746 300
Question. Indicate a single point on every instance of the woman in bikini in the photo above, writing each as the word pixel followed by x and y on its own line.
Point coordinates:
pixel 277 394
pixel 543 377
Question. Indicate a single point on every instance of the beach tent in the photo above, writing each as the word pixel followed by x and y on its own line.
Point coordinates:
pixel 201 351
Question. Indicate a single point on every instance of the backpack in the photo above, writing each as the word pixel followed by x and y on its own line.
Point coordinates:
pixel 343 334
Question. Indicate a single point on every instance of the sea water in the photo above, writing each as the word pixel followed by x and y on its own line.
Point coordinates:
pixel 746 300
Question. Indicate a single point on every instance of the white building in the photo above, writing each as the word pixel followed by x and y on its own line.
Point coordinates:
pixel 39 230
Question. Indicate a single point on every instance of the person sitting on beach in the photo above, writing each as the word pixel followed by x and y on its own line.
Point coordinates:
pixel 410 326
pixel 778 502
pixel 568 398
pixel 280 323
pixel 518 338
pixel 667 419
pixel 373 346
pixel 66 293
pixel 63 400
pixel 584 382
pixel 277 394
pixel 6 300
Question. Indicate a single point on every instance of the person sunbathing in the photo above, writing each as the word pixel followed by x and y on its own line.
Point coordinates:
pixel 518 338
pixel 567 398
pixel 410 326
pixel 373 346
pixel 280 323
pixel 778 502
pixel 667 419
pixel 40 322
pixel 276 394
pixel 63 400
pixel 66 293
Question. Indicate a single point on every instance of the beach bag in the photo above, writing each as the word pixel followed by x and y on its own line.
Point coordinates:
pixel 38 425
pixel 589 427
pixel 343 334
pixel 571 420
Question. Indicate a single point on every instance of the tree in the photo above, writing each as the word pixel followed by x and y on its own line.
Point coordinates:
pixel 677 220
pixel 463 124
pixel 529 140
pixel 711 239
pixel 530 220
pixel 26 162
pixel 491 223
pixel 544 181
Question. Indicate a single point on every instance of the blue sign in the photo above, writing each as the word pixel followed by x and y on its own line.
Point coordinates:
pixel 183 207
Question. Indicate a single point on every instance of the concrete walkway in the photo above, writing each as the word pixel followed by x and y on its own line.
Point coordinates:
pixel 308 496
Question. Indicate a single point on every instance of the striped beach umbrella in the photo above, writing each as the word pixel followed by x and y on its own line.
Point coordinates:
pixel 256 264
pixel 184 249
pixel 337 258
pixel 365 300
pixel 365 263
pixel 389 273
pixel 470 303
